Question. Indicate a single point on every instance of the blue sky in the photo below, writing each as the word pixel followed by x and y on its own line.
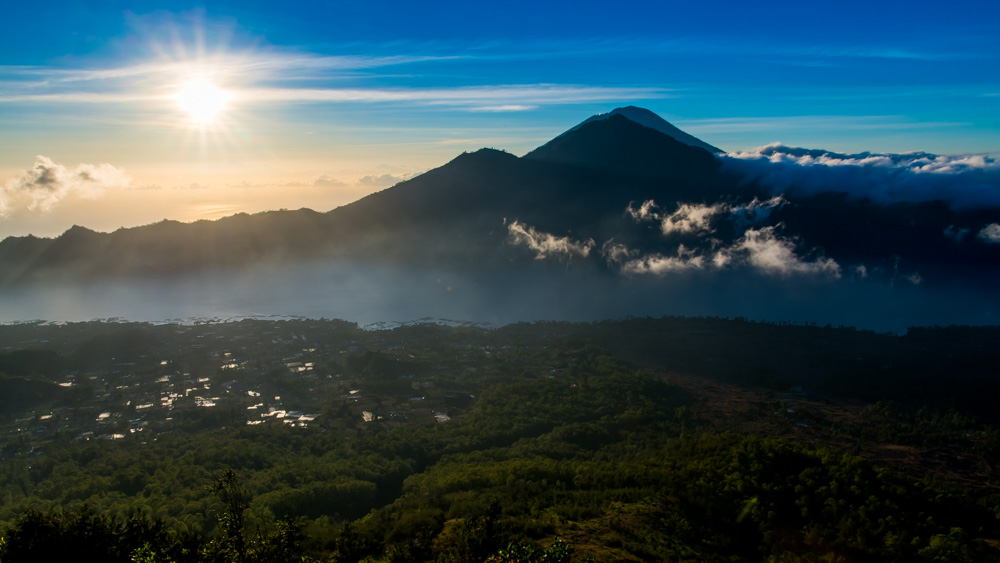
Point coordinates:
pixel 327 101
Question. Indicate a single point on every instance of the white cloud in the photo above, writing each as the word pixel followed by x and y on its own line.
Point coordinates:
pixel 546 244
pixel 771 254
pixel 721 259
pixel 964 181
pixel 917 162
pixel 648 211
pixel 761 249
pixel 48 183
pixel 658 264
pixel 687 218
pixel 691 218
pixel 990 233
pixel 697 218
pixel 755 212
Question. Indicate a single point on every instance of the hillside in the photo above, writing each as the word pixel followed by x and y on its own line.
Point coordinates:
pixel 637 440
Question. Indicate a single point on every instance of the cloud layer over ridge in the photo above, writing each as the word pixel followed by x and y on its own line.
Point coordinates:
pixel 963 181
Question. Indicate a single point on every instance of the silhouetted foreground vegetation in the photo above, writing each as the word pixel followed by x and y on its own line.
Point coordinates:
pixel 607 441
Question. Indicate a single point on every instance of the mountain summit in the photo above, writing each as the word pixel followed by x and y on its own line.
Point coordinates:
pixel 624 147
pixel 649 119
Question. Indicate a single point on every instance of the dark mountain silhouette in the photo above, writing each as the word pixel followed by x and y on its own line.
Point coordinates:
pixel 621 146
pixel 649 119
pixel 579 182
pixel 575 199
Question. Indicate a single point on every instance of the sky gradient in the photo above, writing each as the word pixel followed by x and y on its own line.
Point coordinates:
pixel 323 104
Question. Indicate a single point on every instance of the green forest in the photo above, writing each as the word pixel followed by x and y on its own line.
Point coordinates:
pixel 671 439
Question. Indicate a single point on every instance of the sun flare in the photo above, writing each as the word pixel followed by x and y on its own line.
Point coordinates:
pixel 202 100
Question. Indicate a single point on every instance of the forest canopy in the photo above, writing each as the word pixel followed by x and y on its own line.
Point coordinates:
pixel 637 440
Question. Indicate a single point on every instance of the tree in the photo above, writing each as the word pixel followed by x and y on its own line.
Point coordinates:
pixel 280 545
pixel 231 545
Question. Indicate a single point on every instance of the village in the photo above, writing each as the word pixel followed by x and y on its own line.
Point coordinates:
pixel 136 382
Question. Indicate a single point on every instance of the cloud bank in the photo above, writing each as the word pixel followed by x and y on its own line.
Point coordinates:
pixel 48 183
pixel 964 181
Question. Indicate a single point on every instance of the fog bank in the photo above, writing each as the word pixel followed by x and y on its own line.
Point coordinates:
pixel 387 296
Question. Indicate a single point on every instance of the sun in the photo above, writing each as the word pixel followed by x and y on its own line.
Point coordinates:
pixel 202 100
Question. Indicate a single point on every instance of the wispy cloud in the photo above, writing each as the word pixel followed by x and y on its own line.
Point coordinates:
pixel 706 45
pixel 697 218
pixel 659 264
pixel 547 245
pixel 504 108
pixel 760 249
pixel 819 122
pixel 256 66
pixel 687 218
pixel 514 96
pixel 875 51
pixel 270 77
pixel 83 98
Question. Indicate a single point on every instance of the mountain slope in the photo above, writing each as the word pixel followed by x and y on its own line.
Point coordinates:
pixel 620 145
pixel 581 181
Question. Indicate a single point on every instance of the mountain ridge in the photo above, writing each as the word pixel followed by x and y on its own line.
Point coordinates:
pixel 610 193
